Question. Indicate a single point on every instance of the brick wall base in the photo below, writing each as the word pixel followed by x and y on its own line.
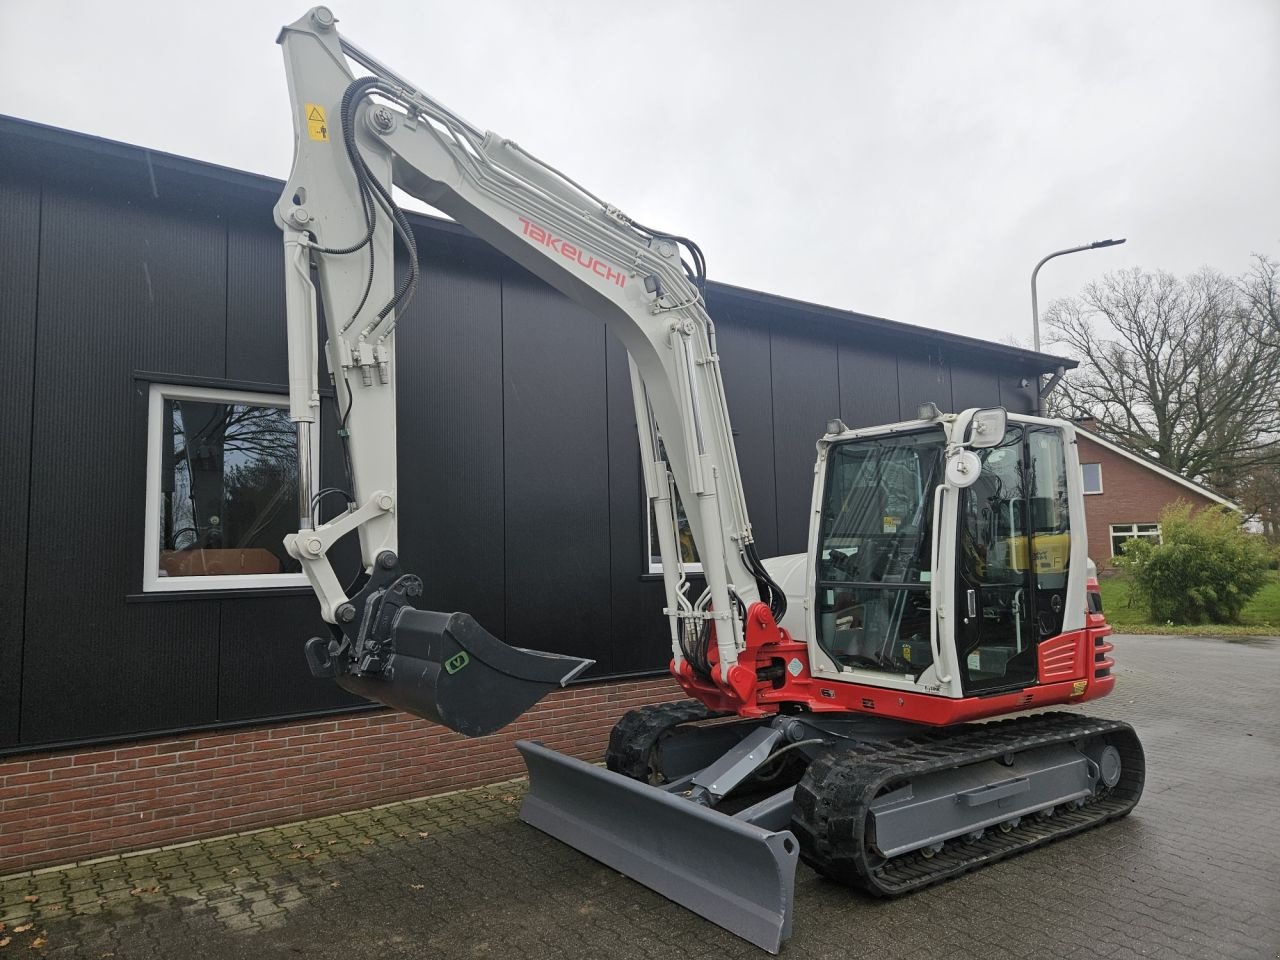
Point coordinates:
pixel 69 805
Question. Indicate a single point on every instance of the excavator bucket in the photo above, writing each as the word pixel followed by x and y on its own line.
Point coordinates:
pixel 735 874
pixel 447 668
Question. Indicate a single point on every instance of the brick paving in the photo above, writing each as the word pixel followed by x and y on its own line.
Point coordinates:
pixel 1193 873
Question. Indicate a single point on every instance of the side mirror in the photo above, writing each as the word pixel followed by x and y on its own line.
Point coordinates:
pixel 987 427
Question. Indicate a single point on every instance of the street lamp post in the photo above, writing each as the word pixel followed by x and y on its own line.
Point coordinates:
pixel 1035 307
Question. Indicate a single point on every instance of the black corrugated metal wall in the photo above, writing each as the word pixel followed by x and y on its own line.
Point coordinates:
pixel 519 470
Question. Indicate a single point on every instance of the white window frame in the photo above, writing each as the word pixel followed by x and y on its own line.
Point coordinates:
pixel 1130 531
pixel 152 582
pixel 1083 481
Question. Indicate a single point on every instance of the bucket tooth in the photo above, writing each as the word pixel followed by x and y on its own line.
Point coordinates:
pixel 739 876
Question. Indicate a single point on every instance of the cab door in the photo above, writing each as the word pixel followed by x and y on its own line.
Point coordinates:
pixel 1013 551
pixel 994 605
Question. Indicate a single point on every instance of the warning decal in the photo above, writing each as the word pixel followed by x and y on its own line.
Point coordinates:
pixel 317 126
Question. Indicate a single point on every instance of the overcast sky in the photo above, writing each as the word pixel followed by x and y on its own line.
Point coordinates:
pixel 907 159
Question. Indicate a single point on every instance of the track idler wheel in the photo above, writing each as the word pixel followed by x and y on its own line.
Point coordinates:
pixel 830 818
pixel 635 741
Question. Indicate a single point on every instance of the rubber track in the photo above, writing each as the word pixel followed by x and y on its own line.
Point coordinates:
pixel 831 813
pixel 634 736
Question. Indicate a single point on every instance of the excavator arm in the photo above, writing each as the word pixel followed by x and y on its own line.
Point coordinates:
pixel 357 137
pixel 339 226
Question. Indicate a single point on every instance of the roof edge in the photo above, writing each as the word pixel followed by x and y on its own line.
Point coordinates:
pixel 62 138
pixel 1159 468
pixel 1044 362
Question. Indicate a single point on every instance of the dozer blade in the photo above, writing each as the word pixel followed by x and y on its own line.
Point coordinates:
pixel 449 669
pixel 734 874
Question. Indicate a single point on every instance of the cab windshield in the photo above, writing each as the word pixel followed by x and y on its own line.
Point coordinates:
pixel 875 561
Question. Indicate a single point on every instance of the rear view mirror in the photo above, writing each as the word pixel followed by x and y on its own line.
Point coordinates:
pixel 987 427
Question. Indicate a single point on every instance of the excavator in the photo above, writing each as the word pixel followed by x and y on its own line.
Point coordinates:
pixel 834 697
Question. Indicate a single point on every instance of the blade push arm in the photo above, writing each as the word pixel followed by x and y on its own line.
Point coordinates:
pixel 378 131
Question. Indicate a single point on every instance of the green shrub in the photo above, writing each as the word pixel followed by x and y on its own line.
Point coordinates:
pixel 1204 570
pixel 1137 551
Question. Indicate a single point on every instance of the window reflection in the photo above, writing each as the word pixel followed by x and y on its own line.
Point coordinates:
pixel 684 533
pixel 229 481
pixel 1014 541
pixel 875 563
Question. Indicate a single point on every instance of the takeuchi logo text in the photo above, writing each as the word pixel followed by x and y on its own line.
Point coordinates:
pixel 570 252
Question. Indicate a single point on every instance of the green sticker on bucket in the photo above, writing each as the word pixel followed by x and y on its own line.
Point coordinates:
pixel 456 662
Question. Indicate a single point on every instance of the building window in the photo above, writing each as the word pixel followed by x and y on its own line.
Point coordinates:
pixel 1120 532
pixel 1092 473
pixel 684 535
pixel 684 538
pixel 222 490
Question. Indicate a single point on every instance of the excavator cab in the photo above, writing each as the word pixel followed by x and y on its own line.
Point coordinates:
pixel 944 555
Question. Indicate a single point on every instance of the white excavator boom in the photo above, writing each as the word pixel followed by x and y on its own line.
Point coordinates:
pixel 356 138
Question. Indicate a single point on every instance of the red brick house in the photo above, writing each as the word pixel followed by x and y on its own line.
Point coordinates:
pixel 1125 493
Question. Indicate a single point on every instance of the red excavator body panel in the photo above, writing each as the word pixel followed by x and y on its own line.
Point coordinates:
pixel 1073 668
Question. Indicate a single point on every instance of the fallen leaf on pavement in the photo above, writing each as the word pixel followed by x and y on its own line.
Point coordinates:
pixel 423 834
pixel 38 942
pixel 4 941
pixel 336 884
pixel 23 928
pixel 31 898
pixel 416 886
pixel 368 842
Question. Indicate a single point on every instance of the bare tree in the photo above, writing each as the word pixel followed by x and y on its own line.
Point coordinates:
pixel 1259 494
pixel 1185 371
pixel 1260 288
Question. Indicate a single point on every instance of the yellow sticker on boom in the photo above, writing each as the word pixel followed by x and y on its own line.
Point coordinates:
pixel 317 126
